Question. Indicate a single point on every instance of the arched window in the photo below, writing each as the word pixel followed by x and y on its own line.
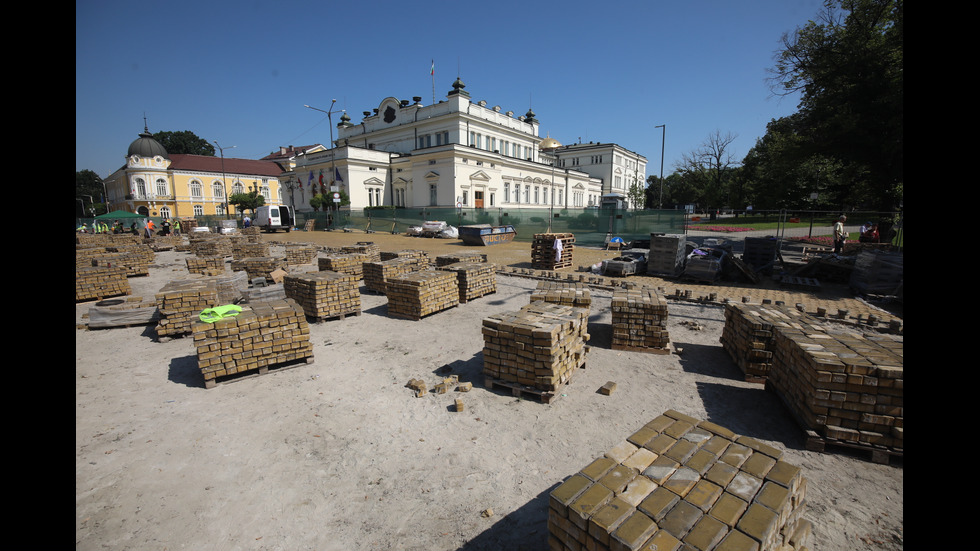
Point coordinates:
pixel 165 212
pixel 198 210
pixel 140 188
pixel 217 190
pixel 196 191
pixel 161 188
pixel 237 188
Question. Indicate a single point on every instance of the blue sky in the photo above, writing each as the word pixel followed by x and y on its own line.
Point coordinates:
pixel 239 73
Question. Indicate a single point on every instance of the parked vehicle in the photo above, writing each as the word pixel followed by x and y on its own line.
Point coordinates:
pixel 273 217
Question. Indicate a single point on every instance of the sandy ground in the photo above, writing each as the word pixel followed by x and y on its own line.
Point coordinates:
pixel 339 455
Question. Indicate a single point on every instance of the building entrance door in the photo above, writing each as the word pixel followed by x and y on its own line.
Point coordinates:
pixel 478 199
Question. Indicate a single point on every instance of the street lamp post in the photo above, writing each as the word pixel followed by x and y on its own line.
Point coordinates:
pixel 333 154
pixel 224 184
pixel 663 141
pixel 551 145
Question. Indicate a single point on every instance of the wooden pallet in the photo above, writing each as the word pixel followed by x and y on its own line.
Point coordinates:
pixel 819 443
pixel 875 454
pixel 745 269
pixel 645 349
pixel 524 391
pixel 335 317
pixel 807 283
pixel 211 383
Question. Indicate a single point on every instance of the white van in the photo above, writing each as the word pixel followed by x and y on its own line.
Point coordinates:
pixel 273 217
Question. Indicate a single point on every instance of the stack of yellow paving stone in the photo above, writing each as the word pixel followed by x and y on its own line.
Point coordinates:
pixel 421 257
pixel 474 279
pixel 298 254
pixel 539 346
pixel 88 240
pixel 164 242
pixel 98 282
pixel 85 255
pixel 349 263
pixel 141 256
pixel 214 245
pixel 749 334
pixel 126 239
pixel 847 388
pixel 205 265
pixel 259 266
pixel 251 249
pixel 417 294
pixel 545 255
pixel 252 234
pixel 135 264
pixel 679 483
pixel 571 293
pixel 376 274
pixel 447 259
pixel 324 294
pixel 264 334
pixel 371 249
pixel 180 303
pixel 639 320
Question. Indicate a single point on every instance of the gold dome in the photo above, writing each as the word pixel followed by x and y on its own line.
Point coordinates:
pixel 549 143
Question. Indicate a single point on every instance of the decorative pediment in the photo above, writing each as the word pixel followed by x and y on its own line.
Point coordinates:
pixel 479 176
pixel 374 181
pixel 432 175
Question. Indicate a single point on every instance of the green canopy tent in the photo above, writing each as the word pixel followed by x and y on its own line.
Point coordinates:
pixel 120 215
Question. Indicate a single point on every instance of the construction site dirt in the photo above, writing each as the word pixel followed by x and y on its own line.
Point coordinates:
pixel 339 453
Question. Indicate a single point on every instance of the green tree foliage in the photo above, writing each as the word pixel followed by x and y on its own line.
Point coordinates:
pixel 89 190
pixel 637 195
pixel 706 175
pixel 184 142
pixel 246 201
pixel 848 68
pixel 325 201
pixel 671 190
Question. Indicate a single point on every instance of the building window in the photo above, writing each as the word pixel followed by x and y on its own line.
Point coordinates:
pixel 140 188
pixel 544 195
pixel 527 193
pixel 198 210
pixel 433 195
pixel 197 190
pixel 165 212
pixel 560 197
pixel 237 188
pixel 466 197
pixel 537 195
pixel 506 192
pixel 161 187
pixel 491 199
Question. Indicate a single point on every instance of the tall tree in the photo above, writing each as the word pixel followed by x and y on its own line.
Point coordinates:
pixel 848 68
pixel 184 142
pixel 246 201
pixel 709 170
pixel 89 185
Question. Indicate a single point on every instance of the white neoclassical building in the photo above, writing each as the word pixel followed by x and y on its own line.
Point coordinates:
pixel 456 152
pixel 617 167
